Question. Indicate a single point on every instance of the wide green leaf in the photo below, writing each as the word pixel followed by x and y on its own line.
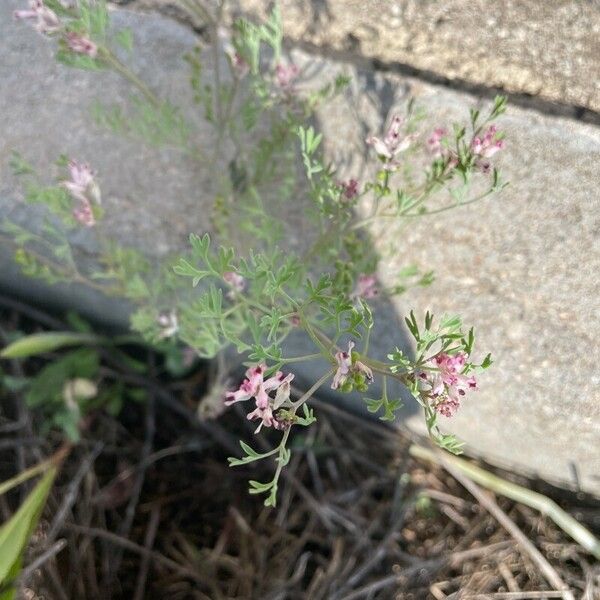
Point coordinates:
pixel 15 533
pixel 38 343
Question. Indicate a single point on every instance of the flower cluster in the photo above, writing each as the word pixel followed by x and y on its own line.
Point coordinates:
pixel 285 76
pixel 349 189
pixel 444 383
pixel 236 282
pixel 83 187
pixel 46 22
pixel 168 323
pixel 366 287
pixel 44 19
pixel 257 387
pixel 350 373
pixel 485 147
pixel 81 45
pixel 434 142
pixel 239 67
pixel 392 144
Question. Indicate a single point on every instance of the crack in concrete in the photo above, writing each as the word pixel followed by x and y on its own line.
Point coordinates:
pixel 539 104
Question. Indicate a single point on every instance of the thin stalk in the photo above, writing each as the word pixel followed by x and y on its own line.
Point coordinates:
pixel 42 467
pixel 301 358
pixel 451 206
pixel 515 492
pixel 130 76
pixel 312 390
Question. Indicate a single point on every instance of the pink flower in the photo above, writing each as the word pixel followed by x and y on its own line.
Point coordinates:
pixel 46 21
pixel 239 66
pixel 366 287
pixel 236 281
pixel 81 45
pixel 83 187
pixel 84 214
pixel 255 386
pixel 392 144
pixel 486 147
pixel 346 366
pixel 444 382
pixel 344 362
pixel 285 75
pixel 434 142
pixel 349 189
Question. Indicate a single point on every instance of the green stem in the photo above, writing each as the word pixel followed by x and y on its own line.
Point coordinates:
pixel 451 206
pixel 313 336
pixel 280 448
pixel 130 76
pixel 296 405
pixel 42 467
pixel 306 357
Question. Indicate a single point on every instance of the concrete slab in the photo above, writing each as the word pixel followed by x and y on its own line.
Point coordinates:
pixel 549 50
pixel 521 267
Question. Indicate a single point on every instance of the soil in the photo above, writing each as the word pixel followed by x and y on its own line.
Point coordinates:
pixel 146 506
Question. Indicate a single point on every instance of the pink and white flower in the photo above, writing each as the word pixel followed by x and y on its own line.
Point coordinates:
pixel 82 184
pixel 81 45
pixel 366 287
pixel 434 142
pixel 255 386
pixel 285 76
pixel 168 323
pixel 236 281
pixel 349 189
pixel 485 147
pixel 83 187
pixel 44 19
pixel 239 66
pixel 444 383
pixel 392 144
pixel 346 366
pixel 84 214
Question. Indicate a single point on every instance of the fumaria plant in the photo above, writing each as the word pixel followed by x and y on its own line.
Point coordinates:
pixel 246 288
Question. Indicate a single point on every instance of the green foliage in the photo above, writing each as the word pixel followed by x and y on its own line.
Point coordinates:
pixel 78 61
pixel 124 38
pixel 388 405
pixel 19 165
pixel 49 394
pixel 157 125
pixel 249 37
pixel 93 18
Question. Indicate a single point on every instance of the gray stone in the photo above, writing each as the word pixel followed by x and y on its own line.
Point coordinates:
pixel 545 49
pixel 522 267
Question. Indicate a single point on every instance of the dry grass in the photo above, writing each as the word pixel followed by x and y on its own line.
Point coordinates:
pixel 146 507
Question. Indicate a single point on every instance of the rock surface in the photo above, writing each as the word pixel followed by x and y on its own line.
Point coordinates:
pixel 548 50
pixel 522 268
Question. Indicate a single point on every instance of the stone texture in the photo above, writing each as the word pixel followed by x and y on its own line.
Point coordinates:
pixel 522 267
pixel 546 49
